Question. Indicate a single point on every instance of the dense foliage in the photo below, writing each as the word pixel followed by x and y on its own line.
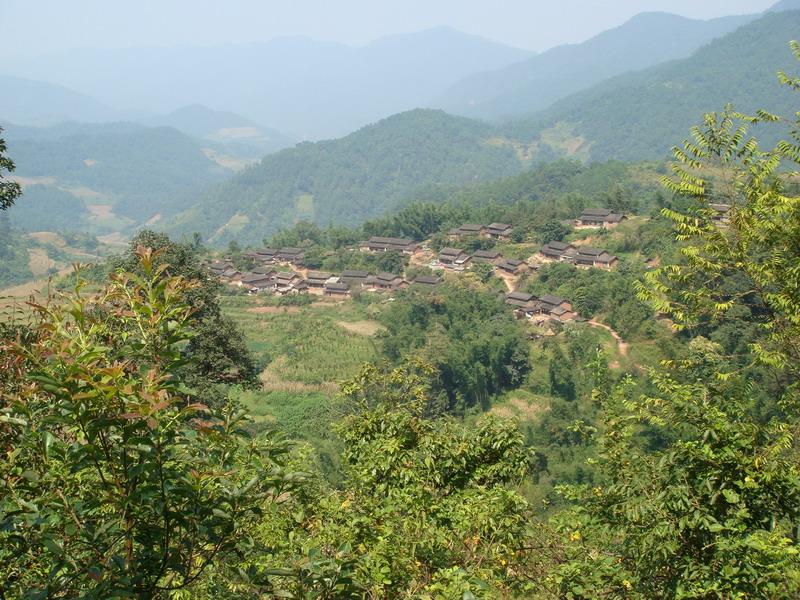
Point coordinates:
pixel 467 334
pixel 9 190
pixel 217 350
pixel 112 484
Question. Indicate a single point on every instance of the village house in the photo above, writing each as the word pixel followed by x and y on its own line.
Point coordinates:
pixel 287 282
pixel 258 282
pixel 355 279
pixel 512 266
pixel 428 281
pixel 501 231
pixel 599 217
pixel 524 305
pixel 318 279
pixel 231 275
pixel 218 267
pixel 293 256
pixel 557 307
pixel 453 258
pixel 595 257
pixel 336 289
pixel 265 270
pixel 264 255
pixel 467 229
pixel 561 251
pixel 486 256
pixel 386 282
pixel 385 244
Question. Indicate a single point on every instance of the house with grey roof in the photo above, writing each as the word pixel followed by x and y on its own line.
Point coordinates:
pixel 500 231
pixel 453 258
pixel 599 217
pixel 595 257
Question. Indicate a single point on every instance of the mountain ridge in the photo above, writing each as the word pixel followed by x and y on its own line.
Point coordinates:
pixel 644 40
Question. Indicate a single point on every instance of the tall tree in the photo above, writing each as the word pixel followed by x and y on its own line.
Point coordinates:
pixel 217 350
pixel 9 190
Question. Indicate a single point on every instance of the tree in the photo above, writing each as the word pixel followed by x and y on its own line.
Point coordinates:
pixel 9 190
pixel 427 508
pixel 713 513
pixel 218 353
pixel 114 483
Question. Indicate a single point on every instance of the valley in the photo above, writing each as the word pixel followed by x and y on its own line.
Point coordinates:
pixel 418 314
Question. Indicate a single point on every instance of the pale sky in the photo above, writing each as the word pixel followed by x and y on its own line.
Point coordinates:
pixel 30 27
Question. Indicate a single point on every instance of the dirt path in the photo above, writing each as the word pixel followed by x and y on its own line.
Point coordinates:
pixel 621 344
pixel 509 280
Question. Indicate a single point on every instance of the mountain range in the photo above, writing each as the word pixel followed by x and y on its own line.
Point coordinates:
pixel 641 115
pixel 634 117
pixel 534 84
pixel 310 88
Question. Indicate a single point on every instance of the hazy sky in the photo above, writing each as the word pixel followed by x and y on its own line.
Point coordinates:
pixel 37 26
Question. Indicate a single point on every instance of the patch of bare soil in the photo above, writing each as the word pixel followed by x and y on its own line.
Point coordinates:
pixel 367 328
pixel 519 408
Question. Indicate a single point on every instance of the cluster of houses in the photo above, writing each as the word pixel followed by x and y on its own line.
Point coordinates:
pixel 528 306
pixel 458 260
pixel 581 256
pixel 599 217
pixel 498 231
pixel 266 279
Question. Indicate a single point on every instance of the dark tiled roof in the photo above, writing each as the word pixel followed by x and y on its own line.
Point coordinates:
pixel 521 296
pixel 319 275
pixel 355 274
pixel 590 251
pixel 390 241
pixel 500 226
pixel 491 254
pixel 596 212
pixel 387 277
pixel 427 279
pixel 554 300
pixel 337 287
pixel 470 227
pixel 451 252
pixel 561 246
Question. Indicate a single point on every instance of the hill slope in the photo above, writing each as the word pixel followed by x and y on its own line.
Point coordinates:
pixel 313 89
pixel 238 135
pixel 351 179
pixel 534 84
pixel 123 174
pixel 29 102
pixel 641 115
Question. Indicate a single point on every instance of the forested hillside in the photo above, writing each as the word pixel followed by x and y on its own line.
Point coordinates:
pixel 635 116
pixel 349 180
pixel 523 88
pixel 125 173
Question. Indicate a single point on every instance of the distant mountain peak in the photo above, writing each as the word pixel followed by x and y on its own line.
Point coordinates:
pixel 785 5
